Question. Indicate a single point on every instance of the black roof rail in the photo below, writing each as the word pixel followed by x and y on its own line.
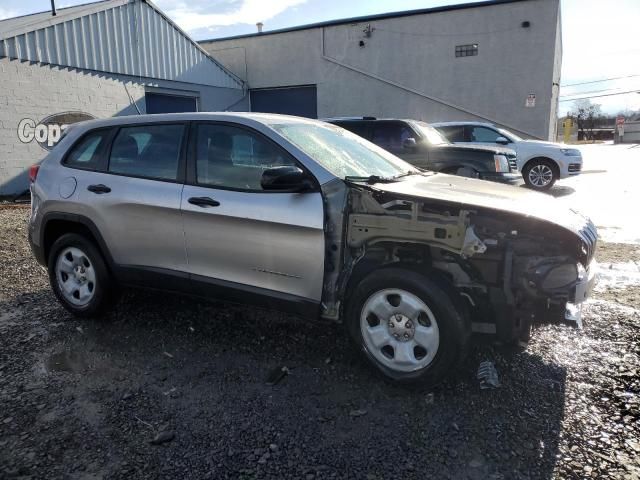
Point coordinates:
pixel 336 119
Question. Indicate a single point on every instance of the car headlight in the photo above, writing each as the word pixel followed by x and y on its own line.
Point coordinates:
pixel 571 152
pixel 501 163
pixel 560 276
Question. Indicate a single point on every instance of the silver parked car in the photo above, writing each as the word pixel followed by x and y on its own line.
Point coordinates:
pixel 303 216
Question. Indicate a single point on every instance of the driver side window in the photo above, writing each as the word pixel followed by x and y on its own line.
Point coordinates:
pixel 484 134
pixel 231 157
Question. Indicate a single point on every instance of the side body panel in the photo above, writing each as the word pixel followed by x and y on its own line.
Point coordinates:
pixel 139 219
pixel 272 241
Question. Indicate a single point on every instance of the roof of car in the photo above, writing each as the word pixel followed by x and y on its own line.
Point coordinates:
pixel 455 124
pixel 265 118
pixel 368 119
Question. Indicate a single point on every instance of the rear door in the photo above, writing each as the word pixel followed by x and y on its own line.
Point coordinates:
pixel 134 196
pixel 240 237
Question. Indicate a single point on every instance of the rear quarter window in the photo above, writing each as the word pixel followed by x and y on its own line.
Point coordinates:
pixel 453 133
pixel 85 153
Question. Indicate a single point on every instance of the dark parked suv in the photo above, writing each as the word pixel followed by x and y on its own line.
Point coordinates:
pixel 424 147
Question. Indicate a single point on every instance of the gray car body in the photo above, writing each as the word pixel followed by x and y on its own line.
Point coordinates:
pixel 272 243
pixel 304 251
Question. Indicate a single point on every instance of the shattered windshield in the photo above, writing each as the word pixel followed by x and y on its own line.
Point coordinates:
pixel 343 153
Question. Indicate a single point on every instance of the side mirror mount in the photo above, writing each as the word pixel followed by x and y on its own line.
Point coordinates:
pixel 287 178
pixel 502 140
pixel 409 143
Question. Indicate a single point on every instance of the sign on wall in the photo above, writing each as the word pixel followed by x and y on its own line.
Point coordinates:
pixel 530 101
pixel 48 131
pixel 620 125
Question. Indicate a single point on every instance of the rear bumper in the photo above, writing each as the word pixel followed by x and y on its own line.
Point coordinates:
pixel 508 178
pixel 37 250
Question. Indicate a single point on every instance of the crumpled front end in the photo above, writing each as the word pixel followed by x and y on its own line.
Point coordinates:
pixel 507 271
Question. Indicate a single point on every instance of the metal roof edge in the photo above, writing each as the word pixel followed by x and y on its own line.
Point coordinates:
pixel 367 18
pixel 193 42
pixel 49 21
pixel 103 5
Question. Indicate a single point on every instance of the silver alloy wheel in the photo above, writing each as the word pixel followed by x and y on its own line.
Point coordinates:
pixel 399 330
pixel 76 276
pixel 540 175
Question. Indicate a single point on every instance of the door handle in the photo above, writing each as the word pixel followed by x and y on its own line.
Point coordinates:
pixel 203 202
pixel 100 188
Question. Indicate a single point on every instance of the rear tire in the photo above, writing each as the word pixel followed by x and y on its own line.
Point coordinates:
pixel 407 326
pixel 540 174
pixel 79 276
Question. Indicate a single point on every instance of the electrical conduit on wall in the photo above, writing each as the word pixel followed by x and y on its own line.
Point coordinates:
pixel 414 91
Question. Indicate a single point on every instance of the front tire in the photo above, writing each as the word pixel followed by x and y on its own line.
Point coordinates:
pixel 406 326
pixel 78 276
pixel 540 174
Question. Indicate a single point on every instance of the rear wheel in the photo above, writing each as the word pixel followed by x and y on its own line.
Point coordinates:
pixel 407 326
pixel 78 276
pixel 540 174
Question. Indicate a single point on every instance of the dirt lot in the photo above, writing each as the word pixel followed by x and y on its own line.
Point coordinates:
pixel 83 399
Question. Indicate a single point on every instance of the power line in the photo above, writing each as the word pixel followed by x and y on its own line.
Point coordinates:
pixel 597 96
pixel 598 81
pixel 608 90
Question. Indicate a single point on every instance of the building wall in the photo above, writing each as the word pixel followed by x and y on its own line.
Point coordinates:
pixel 631 133
pixel 407 66
pixel 36 91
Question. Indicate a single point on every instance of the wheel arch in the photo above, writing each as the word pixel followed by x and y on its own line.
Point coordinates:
pixel 56 224
pixel 367 265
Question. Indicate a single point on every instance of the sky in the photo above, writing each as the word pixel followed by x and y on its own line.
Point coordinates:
pixel 600 37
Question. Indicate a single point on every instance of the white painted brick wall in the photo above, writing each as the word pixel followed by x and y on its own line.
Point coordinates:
pixel 35 91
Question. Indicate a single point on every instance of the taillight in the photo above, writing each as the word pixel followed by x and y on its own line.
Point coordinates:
pixel 33 172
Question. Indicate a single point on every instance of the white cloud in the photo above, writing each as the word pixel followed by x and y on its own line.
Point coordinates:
pixel 246 12
pixel 7 13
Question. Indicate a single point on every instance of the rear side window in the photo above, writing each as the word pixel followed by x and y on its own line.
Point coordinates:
pixel 360 129
pixel 483 134
pixel 391 136
pixel 151 151
pixel 453 133
pixel 86 153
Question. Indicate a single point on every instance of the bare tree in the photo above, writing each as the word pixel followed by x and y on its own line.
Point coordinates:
pixel 585 113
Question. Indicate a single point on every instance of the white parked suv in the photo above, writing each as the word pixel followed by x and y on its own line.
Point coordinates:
pixel 541 163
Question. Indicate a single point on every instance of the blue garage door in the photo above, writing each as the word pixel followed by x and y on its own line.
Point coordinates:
pixel 161 103
pixel 300 101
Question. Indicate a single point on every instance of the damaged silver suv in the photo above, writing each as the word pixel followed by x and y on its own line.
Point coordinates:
pixel 299 215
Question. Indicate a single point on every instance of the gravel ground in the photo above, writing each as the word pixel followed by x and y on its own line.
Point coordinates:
pixel 85 399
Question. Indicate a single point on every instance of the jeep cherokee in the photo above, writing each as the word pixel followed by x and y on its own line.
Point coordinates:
pixel 303 216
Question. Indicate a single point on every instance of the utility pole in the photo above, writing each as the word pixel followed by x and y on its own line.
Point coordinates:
pixel 53 8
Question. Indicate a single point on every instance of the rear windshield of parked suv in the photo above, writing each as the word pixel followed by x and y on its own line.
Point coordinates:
pixel 341 152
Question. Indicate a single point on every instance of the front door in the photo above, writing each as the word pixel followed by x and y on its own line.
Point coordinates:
pixel 240 237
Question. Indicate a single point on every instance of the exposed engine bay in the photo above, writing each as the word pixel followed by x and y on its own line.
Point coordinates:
pixel 505 270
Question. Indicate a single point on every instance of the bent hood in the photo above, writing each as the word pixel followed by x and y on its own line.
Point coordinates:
pixel 469 192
